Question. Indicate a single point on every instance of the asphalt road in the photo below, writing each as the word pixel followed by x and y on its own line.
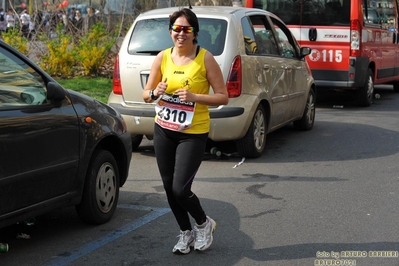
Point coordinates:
pixel 324 196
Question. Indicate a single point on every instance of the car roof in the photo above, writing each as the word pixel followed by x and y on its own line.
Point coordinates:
pixel 207 11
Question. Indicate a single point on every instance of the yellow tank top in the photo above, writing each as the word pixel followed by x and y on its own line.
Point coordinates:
pixel 193 78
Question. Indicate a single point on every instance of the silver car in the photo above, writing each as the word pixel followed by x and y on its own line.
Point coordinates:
pixel 267 78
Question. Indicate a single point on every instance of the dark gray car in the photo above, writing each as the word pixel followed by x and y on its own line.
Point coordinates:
pixel 57 147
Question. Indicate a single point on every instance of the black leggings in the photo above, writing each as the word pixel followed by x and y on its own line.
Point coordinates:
pixel 179 156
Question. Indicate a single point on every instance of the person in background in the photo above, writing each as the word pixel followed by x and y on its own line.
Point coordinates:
pixel 38 19
pixel 72 14
pixel 181 77
pixel 65 20
pixel 78 23
pixel 11 19
pixel 89 20
pixel 32 26
pixel 25 21
pixel 3 22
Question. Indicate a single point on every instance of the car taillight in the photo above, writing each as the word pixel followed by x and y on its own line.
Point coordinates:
pixel 355 38
pixel 234 78
pixel 117 86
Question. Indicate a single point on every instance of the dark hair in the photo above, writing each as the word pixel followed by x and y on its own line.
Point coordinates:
pixel 191 18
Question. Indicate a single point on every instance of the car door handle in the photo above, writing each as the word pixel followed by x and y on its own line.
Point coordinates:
pixel 266 66
pixel 312 34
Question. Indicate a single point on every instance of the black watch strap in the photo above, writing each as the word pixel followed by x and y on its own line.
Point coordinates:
pixel 153 97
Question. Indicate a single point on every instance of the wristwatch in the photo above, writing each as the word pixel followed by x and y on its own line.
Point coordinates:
pixel 153 97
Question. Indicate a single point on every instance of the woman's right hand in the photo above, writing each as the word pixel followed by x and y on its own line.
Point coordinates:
pixel 161 88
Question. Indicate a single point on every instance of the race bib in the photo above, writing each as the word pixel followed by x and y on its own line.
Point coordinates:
pixel 174 114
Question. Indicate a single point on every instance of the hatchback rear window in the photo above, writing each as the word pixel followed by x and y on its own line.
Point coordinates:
pixel 151 36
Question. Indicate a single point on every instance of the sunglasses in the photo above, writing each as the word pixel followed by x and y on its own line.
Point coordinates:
pixel 185 29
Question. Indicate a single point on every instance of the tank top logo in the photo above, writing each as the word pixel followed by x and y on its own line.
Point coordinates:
pixel 178 72
pixel 186 83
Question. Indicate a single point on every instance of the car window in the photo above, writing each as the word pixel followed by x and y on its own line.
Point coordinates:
pixel 263 35
pixel 285 40
pixel 249 37
pixel 20 85
pixel 212 35
pixel 150 36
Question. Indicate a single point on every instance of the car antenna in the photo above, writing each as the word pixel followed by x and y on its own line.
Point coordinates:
pixel 189 5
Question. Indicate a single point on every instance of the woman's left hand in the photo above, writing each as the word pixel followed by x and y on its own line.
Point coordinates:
pixel 185 95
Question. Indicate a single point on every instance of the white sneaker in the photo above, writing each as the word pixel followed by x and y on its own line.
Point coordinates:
pixel 186 240
pixel 203 234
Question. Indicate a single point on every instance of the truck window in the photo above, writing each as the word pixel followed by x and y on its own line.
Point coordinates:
pixel 381 14
pixel 315 12
pixel 372 16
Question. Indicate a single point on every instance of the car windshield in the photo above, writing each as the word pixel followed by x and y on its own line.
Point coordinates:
pixel 151 36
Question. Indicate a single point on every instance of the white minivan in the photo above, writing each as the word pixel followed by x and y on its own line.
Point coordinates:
pixel 267 77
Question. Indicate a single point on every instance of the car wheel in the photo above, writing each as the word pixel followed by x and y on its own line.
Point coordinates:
pixel 365 94
pixel 136 141
pixel 253 143
pixel 307 120
pixel 101 190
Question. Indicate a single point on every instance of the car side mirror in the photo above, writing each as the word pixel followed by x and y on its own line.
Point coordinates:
pixel 304 51
pixel 55 92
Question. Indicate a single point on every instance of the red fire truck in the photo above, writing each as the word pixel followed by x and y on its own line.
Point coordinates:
pixel 355 43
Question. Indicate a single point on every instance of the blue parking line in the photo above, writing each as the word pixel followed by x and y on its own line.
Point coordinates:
pixel 93 245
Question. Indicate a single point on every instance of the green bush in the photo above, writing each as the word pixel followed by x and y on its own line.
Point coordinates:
pixel 14 38
pixel 85 55
pixel 60 59
pixel 93 48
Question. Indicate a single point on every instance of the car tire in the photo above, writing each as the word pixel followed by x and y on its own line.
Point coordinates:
pixel 365 94
pixel 101 190
pixel 136 141
pixel 309 114
pixel 254 141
